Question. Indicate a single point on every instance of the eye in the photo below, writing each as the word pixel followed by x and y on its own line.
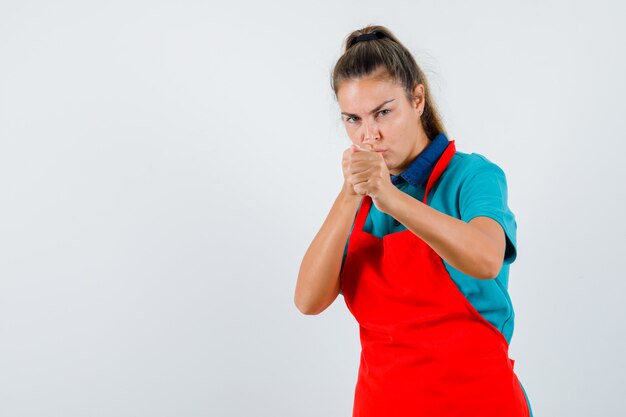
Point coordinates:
pixel 352 119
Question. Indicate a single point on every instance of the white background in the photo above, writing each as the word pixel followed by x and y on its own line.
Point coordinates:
pixel 165 165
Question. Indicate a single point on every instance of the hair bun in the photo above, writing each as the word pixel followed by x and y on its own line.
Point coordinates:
pixel 368 37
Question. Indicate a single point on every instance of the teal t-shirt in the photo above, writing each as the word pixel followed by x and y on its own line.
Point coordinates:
pixel 469 187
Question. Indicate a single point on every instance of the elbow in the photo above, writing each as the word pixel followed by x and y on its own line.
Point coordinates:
pixel 491 269
pixel 311 306
pixel 306 309
pixel 492 274
pixel 305 305
pixel 491 262
pixel 309 312
pixel 311 300
pixel 487 266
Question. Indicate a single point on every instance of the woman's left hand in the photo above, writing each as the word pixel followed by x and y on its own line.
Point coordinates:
pixel 369 175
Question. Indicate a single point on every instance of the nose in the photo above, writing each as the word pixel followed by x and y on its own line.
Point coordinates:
pixel 370 133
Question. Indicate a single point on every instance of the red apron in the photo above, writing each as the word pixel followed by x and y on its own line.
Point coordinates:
pixel 425 350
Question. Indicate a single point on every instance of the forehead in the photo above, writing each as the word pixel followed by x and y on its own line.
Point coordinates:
pixel 362 94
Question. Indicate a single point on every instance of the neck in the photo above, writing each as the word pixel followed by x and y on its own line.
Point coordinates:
pixel 421 142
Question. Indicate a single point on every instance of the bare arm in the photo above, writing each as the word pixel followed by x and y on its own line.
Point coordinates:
pixel 318 280
pixel 475 248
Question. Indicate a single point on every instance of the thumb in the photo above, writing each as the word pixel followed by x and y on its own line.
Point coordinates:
pixel 356 148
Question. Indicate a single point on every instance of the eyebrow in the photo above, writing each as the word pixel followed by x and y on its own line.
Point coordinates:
pixel 373 111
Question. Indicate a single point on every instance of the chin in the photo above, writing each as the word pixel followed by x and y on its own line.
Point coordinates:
pixel 392 168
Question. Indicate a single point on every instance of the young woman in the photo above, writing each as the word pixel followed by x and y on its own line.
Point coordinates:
pixel 425 258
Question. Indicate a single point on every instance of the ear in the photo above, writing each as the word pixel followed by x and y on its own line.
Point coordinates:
pixel 418 97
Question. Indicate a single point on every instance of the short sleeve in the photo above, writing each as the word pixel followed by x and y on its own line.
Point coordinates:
pixel 484 193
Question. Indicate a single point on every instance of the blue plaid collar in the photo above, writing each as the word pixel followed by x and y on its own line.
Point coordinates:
pixel 418 172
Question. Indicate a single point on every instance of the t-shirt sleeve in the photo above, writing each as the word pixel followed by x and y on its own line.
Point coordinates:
pixel 484 193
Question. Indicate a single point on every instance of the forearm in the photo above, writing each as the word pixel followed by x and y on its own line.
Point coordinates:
pixel 318 278
pixel 460 244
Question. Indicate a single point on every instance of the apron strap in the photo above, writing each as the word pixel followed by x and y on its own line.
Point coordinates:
pixel 440 166
pixel 366 202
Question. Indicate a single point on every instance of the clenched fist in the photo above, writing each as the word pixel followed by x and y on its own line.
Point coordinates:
pixel 366 173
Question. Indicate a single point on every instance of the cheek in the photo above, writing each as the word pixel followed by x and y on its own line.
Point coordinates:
pixel 351 131
pixel 397 129
pixel 401 132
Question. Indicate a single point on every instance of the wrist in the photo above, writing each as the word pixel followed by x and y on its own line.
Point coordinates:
pixel 392 202
pixel 347 196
